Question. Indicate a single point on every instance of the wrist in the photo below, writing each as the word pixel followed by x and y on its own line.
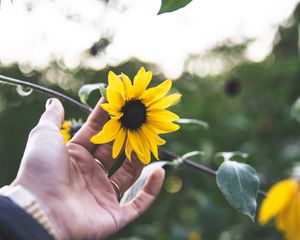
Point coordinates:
pixel 33 206
pixel 55 211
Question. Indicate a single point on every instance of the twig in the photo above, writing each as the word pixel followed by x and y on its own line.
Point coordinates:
pixel 170 155
pixel 163 153
pixel 16 82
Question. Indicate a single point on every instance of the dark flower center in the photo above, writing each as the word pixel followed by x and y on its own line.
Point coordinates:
pixel 134 114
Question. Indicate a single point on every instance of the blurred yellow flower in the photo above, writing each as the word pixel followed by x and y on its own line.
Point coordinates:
pixel 69 128
pixel 66 130
pixel 194 236
pixel 138 115
pixel 283 203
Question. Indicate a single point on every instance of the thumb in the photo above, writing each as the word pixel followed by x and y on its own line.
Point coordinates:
pixel 45 142
pixel 49 124
pixel 45 160
pixel 145 198
pixel 54 113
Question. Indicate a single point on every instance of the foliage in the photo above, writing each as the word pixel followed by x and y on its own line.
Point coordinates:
pixel 87 89
pixel 170 6
pixel 239 183
pixel 139 184
pixel 253 118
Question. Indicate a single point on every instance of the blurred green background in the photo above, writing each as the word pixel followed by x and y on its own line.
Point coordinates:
pixel 247 108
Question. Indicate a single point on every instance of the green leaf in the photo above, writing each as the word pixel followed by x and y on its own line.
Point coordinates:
pixel 192 154
pixel 296 110
pixel 140 182
pixel 76 125
pixel 172 5
pixel 85 91
pixel 193 121
pixel 239 183
pixel 179 161
pixel 24 91
pixel 237 156
pixel 102 89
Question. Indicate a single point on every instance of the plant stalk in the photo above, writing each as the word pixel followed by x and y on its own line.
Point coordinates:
pixel 50 92
pixel 170 155
pixel 163 153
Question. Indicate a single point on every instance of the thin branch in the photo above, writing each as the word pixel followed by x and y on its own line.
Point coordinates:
pixel 170 155
pixel 16 82
pixel 163 153
pixel 199 167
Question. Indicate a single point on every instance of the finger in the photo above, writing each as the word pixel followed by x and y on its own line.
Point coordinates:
pixel 127 174
pixel 50 121
pixel 92 126
pixel 54 113
pixel 141 203
pixel 104 154
pixel 45 134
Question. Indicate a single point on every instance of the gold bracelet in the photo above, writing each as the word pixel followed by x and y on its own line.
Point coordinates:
pixel 26 200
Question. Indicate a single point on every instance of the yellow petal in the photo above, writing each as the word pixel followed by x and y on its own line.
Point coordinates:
pixel 141 82
pixel 139 75
pixel 135 142
pixel 153 94
pixel 66 131
pixel 116 84
pixel 128 86
pixel 147 156
pixel 128 149
pixel 119 142
pixel 151 135
pixel 114 98
pixel 165 102
pixel 278 197
pixel 108 132
pixel 288 218
pixel 163 127
pixel 66 125
pixel 66 135
pixel 112 110
pixel 154 150
pixel 139 156
pixel 140 146
pixel 151 142
pixel 162 116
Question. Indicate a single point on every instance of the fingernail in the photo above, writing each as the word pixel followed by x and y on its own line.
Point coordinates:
pixel 48 103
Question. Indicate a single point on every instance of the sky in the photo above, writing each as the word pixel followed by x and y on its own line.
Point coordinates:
pixel 35 32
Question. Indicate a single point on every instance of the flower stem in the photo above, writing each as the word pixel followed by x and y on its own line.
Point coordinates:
pixel 163 153
pixel 170 155
pixel 16 82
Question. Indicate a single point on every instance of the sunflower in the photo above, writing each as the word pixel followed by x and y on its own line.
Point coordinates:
pixel 138 115
pixel 69 128
pixel 283 203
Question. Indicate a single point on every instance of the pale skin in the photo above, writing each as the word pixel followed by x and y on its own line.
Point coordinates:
pixel 76 193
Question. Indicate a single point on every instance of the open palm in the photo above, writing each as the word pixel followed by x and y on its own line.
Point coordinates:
pixel 76 192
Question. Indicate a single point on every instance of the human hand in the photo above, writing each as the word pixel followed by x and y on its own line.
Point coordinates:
pixel 76 193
